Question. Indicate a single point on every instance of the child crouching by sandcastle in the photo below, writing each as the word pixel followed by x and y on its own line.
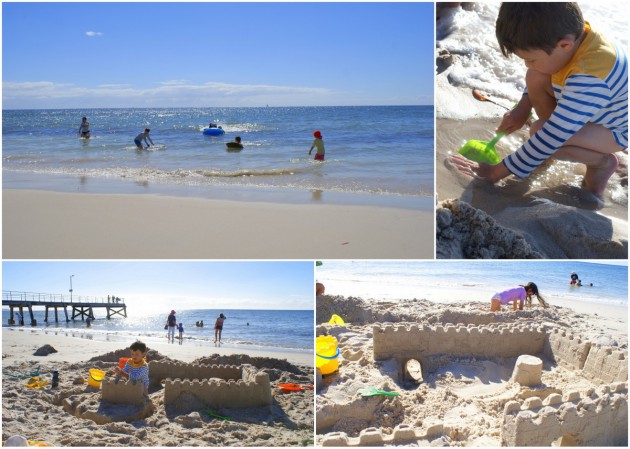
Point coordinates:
pixel 522 294
pixel 137 368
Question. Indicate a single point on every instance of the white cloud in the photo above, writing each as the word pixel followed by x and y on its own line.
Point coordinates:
pixel 93 33
pixel 46 94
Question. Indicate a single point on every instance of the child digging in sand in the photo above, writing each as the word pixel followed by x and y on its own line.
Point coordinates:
pixel 136 368
pixel 577 82
pixel 522 293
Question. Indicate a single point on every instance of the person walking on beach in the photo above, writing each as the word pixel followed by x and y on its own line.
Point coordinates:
pixel 181 332
pixel 218 327
pixel 171 323
pixel 576 81
pixel 136 368
pixel 84 129
pixel 319 144
pixel 143 137
pixel 522 294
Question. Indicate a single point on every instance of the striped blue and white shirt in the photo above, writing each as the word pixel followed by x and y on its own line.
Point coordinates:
pixel 593 87
pixel 138 372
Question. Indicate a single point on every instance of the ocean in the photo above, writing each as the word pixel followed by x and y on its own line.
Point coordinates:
pixel 287 330
pixel 381 152
pixel 473 280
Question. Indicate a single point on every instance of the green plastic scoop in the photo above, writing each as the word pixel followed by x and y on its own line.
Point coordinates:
pixel 373 391
pixel 480 151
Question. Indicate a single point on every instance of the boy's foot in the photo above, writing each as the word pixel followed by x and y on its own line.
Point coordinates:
pixel 596 177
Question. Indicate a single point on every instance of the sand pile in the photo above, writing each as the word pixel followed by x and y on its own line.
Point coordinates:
pixel 463 232
pixel 461 399
pixel 73 414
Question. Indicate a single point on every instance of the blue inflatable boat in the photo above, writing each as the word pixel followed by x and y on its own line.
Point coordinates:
pixel 213 131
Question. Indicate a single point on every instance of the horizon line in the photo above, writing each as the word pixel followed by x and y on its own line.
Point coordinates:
pixel 221 107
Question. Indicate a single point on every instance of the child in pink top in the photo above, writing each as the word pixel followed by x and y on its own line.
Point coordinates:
pixel 522 293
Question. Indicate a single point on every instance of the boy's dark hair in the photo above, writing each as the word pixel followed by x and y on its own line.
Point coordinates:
pixel 537 26
pixel 147 130
pixel 138 346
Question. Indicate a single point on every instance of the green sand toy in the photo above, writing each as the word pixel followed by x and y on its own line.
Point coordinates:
pixel 480 151
pixel 373 391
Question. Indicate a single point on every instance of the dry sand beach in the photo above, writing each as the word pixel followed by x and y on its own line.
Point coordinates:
pixel 104 226
pixel 49 414
pixel 465 394
pixel 547 215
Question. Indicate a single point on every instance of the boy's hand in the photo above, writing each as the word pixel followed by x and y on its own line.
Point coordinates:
pixel 487 172
pixel 514 120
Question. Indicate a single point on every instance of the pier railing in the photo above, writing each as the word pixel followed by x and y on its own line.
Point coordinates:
pixel 32 297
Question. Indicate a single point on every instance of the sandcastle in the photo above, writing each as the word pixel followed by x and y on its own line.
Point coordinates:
pixel 533 414
pixel 215 386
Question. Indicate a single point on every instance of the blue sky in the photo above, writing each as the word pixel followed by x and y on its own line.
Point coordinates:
pixel 216 54
pixel 166 285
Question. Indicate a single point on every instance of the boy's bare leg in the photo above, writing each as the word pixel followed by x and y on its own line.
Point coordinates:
pixel 592 146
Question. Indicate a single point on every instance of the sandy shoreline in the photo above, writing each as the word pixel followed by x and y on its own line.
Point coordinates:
pixel 52 415
pixel 104 226
pixel 467 394
pixel 21 343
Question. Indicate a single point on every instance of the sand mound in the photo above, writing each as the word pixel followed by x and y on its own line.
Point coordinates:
pixel 465 232
pixel 359 311
pixel 115 355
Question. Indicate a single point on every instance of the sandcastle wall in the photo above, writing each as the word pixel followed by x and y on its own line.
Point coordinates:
pixel 158 371
pixel 420 340
pixel 216 386
pixel 606 364
pixel 119 391
pixel 575 419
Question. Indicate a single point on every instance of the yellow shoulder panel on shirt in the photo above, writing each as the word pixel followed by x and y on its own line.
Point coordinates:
pixel 596 56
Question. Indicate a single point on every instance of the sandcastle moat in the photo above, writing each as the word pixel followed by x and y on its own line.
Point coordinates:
pixel 505 383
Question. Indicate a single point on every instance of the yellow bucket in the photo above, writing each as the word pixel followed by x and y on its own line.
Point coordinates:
pixel 327 354
pixel 95 377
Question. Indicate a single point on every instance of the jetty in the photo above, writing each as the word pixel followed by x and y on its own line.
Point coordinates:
pixel 80 307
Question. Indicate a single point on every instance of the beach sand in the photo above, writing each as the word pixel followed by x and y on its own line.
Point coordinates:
pixel 42 224
pixel 556 218
pixel 460 400
pixel 40 414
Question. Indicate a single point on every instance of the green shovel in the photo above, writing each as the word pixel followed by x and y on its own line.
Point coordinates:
pixel 373 391
pixel 480 151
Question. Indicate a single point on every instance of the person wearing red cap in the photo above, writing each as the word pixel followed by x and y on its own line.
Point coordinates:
pixel 171 323
pixel 319 144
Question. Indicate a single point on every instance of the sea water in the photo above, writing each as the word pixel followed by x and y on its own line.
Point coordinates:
pixel 474 280
pixel 287 330
pixel 469 34
pixel 375 151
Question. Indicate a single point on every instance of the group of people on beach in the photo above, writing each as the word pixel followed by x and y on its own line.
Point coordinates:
pixel 144 139
pixel 172 325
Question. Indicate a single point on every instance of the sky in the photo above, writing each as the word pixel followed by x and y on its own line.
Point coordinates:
pixel 90 55
pixel 162 285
